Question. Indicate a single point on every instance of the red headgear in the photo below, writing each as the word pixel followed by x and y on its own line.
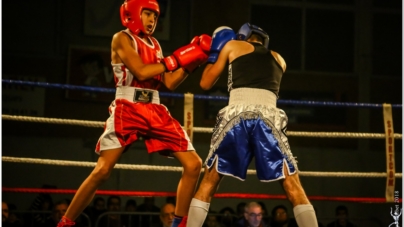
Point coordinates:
pixel 131 11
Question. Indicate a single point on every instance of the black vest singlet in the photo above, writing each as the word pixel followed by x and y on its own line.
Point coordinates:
pixel 258 69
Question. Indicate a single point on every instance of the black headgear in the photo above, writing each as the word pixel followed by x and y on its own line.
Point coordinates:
pixel 247 29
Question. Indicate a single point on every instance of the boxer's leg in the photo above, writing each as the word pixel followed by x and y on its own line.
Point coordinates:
pixel 302 209
pixel 200 203
pixel 192 165
pixel 86 191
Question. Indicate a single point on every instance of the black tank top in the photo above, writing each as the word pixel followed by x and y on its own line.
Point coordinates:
pixel 258 69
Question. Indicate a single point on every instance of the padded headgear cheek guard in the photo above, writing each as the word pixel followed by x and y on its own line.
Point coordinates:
pixel 131 14
pixel 247 29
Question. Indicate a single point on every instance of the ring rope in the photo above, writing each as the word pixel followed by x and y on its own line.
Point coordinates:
pixel 201 97
pixel 217 195
pixel 179 169
pixel 100 124
pixel 96 124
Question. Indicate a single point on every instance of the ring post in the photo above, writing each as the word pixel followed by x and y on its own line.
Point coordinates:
pixel 390 163
pixel 189 114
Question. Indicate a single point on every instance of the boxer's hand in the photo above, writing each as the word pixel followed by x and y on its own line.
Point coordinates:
pixel 189 57
pixel 204 41
pixel 170 63
pixel 220 37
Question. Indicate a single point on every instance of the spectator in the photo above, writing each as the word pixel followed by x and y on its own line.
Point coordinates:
pixel 59 209
pixel 171 199
pixel 212 220
pixel 131 220
pixel 148 206
pixel 167 212
pixel 319 224
pixel 131 205
pixel 252 216
pixel 96 209
pixel 240 210
pixel 5 214
pixel 265 213
pixel 41 207
pixel 341 213
pixel 280 217
pixel 14 219
pixel 227 217
pixel 112 219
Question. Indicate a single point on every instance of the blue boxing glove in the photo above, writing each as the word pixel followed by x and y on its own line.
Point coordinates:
pixel 220 37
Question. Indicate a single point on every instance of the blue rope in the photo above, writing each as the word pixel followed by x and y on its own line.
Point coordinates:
pixel 201 97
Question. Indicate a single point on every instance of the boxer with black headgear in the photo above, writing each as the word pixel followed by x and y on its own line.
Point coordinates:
pixel 140 71
pixel 251 125
pixel 247 29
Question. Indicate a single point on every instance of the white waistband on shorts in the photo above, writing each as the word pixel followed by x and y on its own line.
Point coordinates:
pixel 252 96
pixel 128 93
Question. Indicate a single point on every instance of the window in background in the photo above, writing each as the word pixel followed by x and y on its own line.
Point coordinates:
pixel 329 40
pixel 284 26
pixel 387 44
pixel 395 4
pixel 341 2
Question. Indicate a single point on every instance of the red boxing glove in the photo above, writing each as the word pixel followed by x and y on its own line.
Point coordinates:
pixel 204 41
pixel 189 57
pixel 195 40
pixel 170 63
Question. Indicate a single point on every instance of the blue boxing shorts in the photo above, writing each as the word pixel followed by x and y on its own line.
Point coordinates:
pixel 251 126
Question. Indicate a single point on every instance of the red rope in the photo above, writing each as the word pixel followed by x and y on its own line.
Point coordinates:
pixel 217 195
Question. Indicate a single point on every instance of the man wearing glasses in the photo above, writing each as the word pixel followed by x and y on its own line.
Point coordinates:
pixel 252 216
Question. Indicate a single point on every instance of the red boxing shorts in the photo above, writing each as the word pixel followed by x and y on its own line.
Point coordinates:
pixel 130 120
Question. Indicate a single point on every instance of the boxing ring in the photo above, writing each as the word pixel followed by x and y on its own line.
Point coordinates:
pixel 389 136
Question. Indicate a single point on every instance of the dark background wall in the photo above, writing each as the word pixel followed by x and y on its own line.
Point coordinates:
pixel 341 51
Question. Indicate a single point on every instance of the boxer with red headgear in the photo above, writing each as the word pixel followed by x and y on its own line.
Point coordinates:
pixel 131 12
pixel 140 71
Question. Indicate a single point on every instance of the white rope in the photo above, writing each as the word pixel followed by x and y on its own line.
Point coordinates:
pixel 95 124
pixel 100 124
pixel 88 164
pixel 179 169
pixel 352 135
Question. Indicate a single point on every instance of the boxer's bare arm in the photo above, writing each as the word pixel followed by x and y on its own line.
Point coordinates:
pixel 208 78
pixel 279 59
pixel 173 79
pixel 212 72
pixel 123 51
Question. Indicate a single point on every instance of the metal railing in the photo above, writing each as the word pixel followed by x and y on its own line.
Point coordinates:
pixel 29 218
pixel 127 219
pixel 148 219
